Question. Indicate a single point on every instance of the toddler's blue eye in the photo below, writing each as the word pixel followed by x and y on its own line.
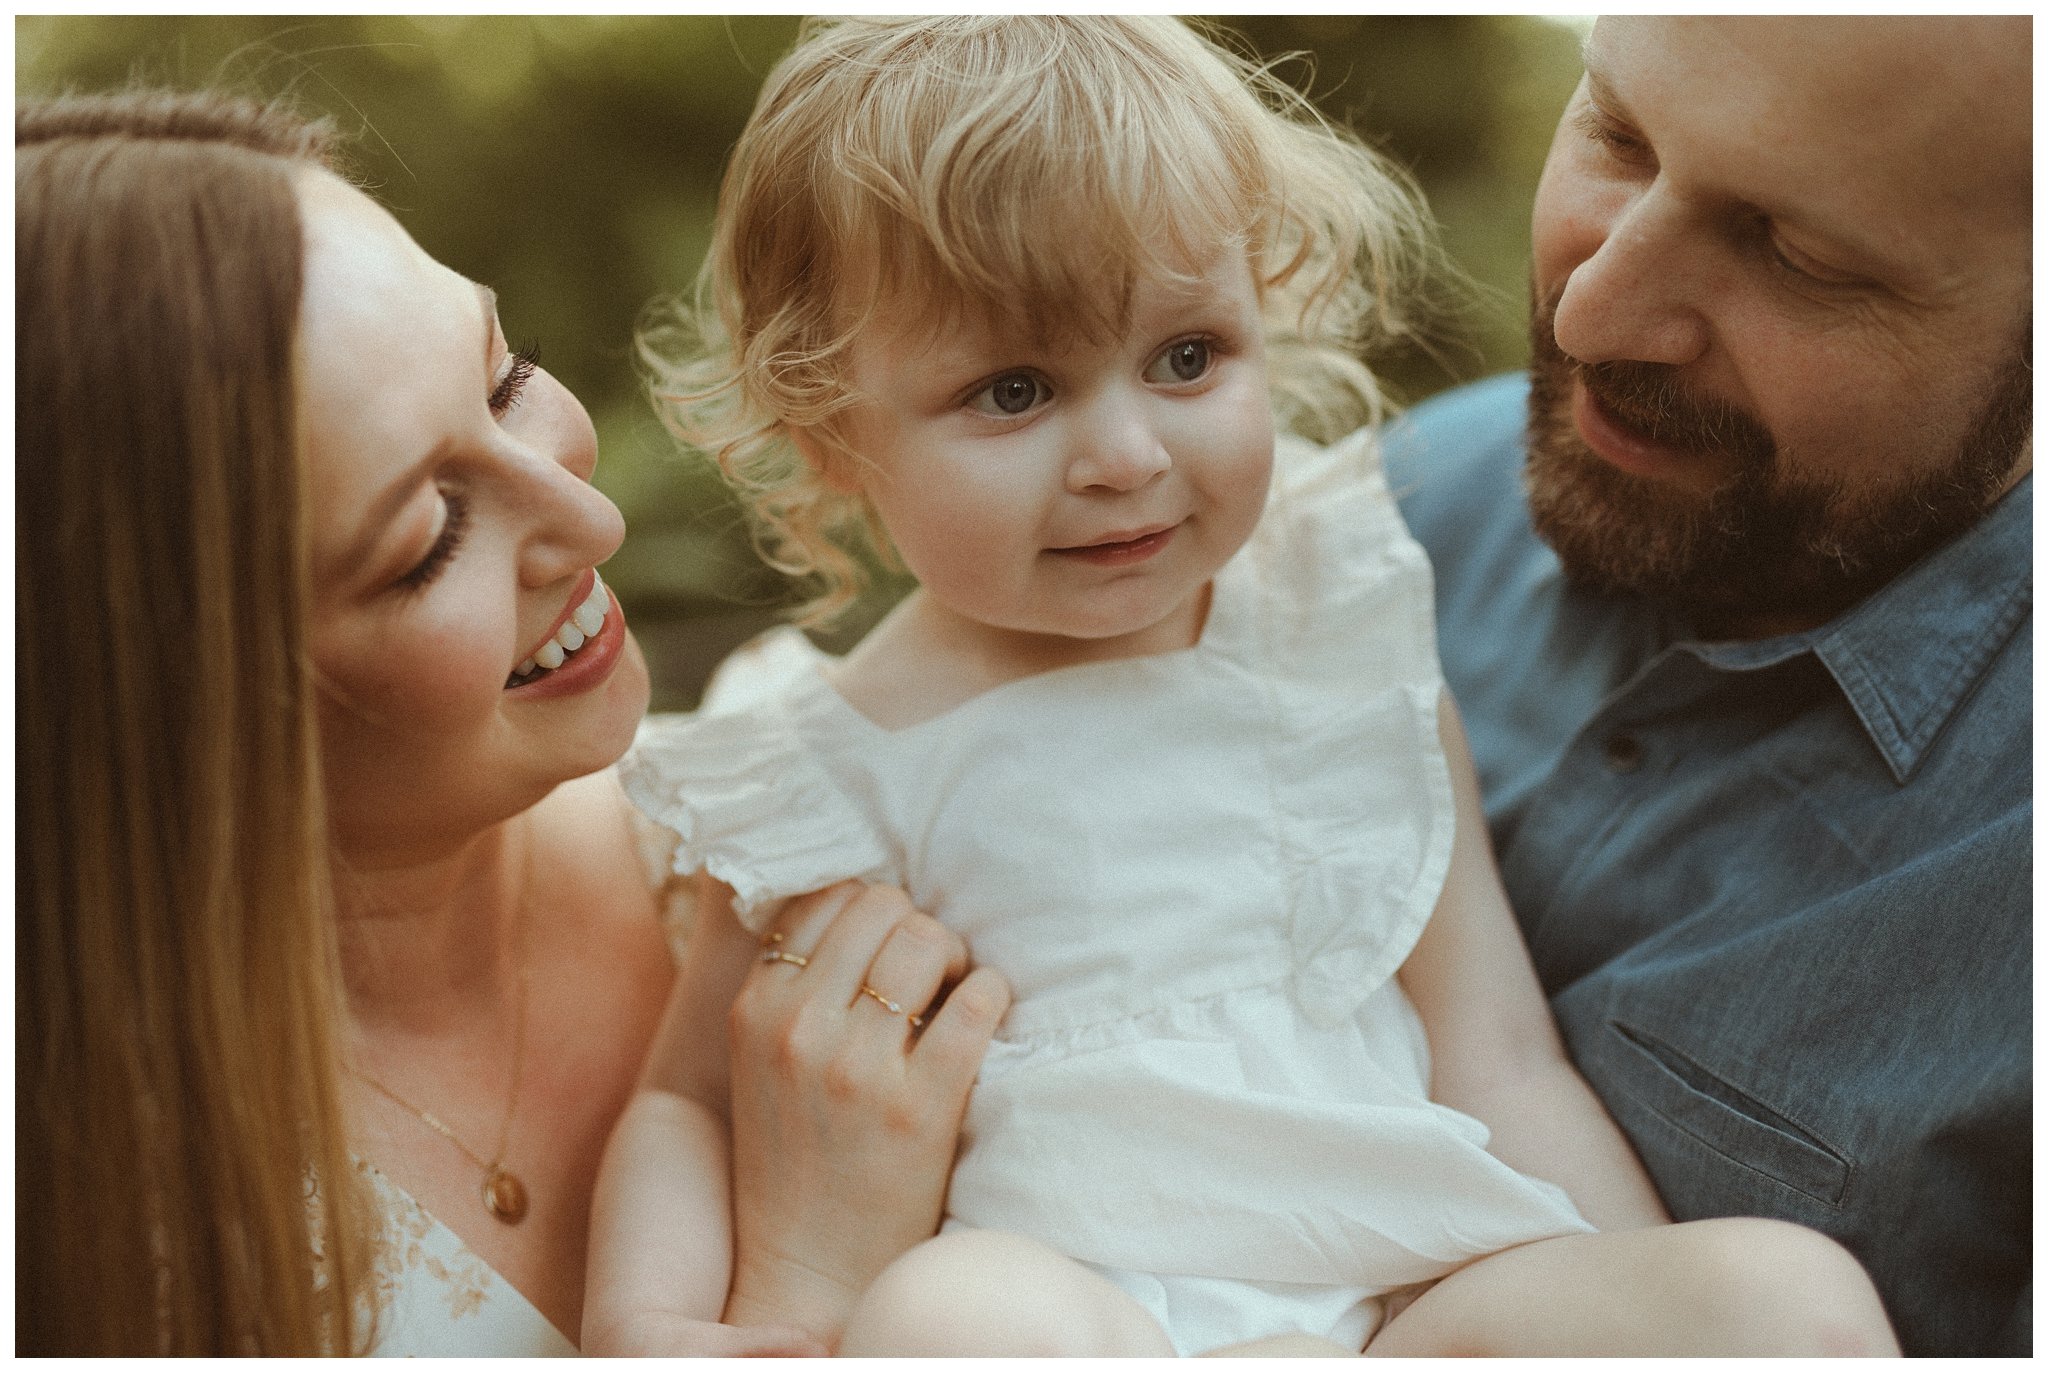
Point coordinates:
pixel 1187 360
pixel 1010 394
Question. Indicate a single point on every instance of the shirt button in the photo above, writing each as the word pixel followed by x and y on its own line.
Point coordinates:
pixel 1623 753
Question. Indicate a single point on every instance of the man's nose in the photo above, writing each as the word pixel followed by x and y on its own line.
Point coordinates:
pixel 1638 297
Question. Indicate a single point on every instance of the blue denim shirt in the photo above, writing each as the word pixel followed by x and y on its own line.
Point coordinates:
pixel 1779 892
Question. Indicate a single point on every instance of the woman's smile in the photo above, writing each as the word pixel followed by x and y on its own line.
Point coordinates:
pixel 581 651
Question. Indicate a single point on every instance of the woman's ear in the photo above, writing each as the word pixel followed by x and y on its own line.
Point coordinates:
pixel 827 458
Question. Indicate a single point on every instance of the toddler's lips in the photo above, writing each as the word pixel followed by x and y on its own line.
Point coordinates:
pixel 1121 548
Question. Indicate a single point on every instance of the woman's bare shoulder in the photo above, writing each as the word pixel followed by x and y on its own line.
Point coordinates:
pixel 588 831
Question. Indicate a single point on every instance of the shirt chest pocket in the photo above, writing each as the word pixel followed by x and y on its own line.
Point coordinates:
pixel 1673 1105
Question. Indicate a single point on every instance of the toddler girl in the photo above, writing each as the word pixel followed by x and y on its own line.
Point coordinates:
pixel 1161 733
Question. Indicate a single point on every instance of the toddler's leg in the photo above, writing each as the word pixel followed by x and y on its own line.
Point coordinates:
pixel 978 1293
pixel 1735 1286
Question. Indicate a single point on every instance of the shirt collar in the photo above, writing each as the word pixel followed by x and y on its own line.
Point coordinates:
pixel 1907 655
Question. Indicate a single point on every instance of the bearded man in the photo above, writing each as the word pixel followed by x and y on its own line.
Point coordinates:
pixel 1735 594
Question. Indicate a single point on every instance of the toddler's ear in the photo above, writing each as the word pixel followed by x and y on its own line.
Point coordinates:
pixel 826 458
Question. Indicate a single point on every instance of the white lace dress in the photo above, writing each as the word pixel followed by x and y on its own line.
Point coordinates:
pixel 1200 872
pixel 435 1296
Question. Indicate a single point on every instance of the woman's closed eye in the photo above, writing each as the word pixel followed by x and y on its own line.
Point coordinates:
pixel 453 526
pixel 1009 395
pixel 519 370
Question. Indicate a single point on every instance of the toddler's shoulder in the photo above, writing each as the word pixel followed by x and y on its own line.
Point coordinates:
pixel 743 785
pixel 1331 502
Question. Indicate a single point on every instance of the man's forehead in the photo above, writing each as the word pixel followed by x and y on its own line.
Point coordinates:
pixel 1854 119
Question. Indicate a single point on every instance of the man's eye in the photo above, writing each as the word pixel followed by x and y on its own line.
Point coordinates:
pixel 1806 270
pixel 1617 140
pixel 1009 395
pixel 1187 360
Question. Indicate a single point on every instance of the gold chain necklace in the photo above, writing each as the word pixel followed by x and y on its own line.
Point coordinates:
pixel 504 1194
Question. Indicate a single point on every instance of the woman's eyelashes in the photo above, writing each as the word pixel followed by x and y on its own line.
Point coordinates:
pixel 519 370
pixel 453 526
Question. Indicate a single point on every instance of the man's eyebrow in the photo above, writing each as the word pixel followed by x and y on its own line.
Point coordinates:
pixel 1598 87
pixel 1862 253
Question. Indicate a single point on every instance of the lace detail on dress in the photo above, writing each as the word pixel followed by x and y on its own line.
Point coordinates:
pixel 434 1296
pixel 459 1279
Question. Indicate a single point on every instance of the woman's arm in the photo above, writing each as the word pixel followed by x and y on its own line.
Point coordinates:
pixel 661 1242
pixel 1494 1049
pixel 661 1220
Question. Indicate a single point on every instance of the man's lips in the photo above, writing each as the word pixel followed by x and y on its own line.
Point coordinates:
pixel 1121 547
pixel 1622 444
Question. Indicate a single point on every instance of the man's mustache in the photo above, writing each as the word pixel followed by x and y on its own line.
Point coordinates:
pixel 1648 398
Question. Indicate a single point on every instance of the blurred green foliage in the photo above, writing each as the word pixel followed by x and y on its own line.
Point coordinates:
pixel 573 164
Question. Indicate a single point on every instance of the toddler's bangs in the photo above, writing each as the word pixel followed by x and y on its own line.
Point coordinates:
pixel 1034 183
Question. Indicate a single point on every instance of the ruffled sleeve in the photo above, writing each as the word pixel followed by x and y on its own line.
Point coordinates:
pixel 750 802
pixel 1348 625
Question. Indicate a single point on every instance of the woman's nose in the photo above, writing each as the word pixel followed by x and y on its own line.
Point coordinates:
pixel 566 428
pixel 574 525
pixel 1639 296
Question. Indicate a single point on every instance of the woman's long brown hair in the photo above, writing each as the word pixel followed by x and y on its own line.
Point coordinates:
pixel 183 1183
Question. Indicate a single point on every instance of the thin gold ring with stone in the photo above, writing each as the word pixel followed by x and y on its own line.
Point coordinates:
pixel 771 953
pixel 917 1021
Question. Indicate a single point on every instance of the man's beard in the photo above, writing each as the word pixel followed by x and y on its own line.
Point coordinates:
pixel 1765 546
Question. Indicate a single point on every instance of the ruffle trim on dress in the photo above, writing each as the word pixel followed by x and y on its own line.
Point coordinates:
pixel 751 804
pixel 1367 813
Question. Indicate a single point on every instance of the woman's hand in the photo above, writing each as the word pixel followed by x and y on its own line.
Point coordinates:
pixel 845 1114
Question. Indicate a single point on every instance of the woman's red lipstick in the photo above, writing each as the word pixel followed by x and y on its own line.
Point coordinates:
pixel 590 665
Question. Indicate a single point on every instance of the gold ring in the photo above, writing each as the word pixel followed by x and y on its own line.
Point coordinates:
pixel 890 1006
pixel 778 956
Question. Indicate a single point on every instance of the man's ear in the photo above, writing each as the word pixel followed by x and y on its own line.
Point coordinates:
pixel 827 458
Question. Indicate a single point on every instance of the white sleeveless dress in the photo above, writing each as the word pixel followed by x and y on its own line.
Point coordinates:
pixel 1200 872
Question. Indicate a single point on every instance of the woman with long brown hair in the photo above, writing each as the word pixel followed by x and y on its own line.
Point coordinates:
pixel 337 947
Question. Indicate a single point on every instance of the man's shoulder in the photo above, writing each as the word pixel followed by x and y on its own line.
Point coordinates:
pixel 1467 424
pixel 1454 462
pixel 1477 413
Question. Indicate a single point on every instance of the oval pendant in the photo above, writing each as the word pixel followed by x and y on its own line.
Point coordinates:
pixel 505 1196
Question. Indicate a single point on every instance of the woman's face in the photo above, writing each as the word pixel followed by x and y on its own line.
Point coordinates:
pixel 454 535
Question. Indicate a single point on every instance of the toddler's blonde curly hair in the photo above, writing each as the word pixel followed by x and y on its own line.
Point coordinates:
pixel 1029 169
